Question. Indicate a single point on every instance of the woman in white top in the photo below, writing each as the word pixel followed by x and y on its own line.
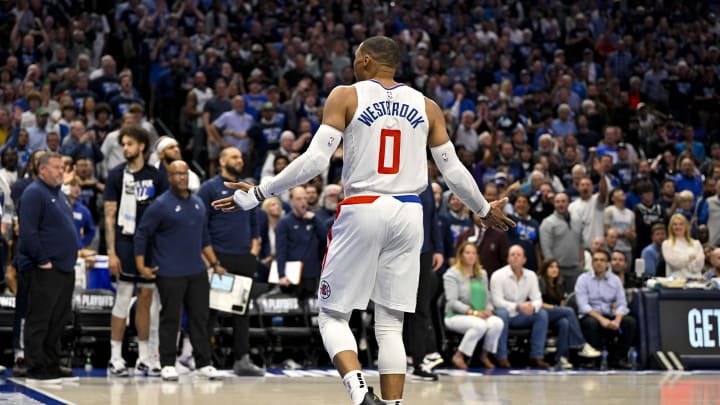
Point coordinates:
pixel 684 256
pixel 622 219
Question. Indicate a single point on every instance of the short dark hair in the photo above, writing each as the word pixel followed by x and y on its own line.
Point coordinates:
pixel 383 49
pixel 138 133
pixel 604 252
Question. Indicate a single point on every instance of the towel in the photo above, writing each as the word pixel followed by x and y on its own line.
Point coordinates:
pixel 128 205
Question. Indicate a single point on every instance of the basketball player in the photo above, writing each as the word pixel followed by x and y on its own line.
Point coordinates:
pixel 130 189
pixel 374 244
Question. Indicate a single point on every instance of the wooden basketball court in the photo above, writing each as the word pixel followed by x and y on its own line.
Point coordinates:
pixel 322 387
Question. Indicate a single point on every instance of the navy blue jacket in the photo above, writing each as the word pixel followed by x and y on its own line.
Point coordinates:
pixel 230 232
pixel 431 224
pixel 300 239
pixel 47 230
pixel 177 228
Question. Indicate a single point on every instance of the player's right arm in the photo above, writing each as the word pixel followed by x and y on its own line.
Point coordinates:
pixel 457 177
pixel 110 208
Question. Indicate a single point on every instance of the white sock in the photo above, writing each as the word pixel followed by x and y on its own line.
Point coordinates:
pixel 354 382
pixel 143 350
pixel 115 350
pixel 393 401
pixel 19 354
pixel 186 348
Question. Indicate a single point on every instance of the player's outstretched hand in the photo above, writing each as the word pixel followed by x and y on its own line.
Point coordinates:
pixel 496 218
pixel 243 198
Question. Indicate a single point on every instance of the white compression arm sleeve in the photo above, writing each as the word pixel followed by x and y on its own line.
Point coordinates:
pixel 460 181
pixel 308 165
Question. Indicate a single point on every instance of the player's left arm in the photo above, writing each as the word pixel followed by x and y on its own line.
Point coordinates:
pixel 308 165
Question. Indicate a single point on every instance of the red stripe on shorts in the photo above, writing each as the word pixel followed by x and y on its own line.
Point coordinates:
pixel 358 199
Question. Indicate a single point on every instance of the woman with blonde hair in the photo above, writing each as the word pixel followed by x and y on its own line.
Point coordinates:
pixel 267 221
pixel 684 256
pixel 468 309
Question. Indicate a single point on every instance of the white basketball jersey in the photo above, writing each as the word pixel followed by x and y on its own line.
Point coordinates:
pixel 384 144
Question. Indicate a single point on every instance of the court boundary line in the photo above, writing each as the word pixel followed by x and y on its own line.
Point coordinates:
pixel 33 389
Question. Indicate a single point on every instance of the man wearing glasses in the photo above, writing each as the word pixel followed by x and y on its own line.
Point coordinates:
pixel 603 310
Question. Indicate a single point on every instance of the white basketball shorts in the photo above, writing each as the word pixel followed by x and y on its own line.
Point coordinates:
pixel 373 253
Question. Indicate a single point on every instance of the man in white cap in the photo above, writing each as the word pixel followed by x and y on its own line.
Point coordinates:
pixel 168 151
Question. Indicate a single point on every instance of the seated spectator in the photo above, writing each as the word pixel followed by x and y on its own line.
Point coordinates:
pixel 714 271
pixel 652 253
pixel 468 308
pixel 517 300
pixel 603 309
pixel 561 318
pixel 683 255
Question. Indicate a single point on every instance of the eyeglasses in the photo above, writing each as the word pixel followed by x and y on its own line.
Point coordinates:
pixel 599 259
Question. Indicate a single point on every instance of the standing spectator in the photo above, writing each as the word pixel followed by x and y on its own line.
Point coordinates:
pixel 647 214
pixel 300 236
pixel 620 218
pixel 111 148
pixel 121 102
pixel 560 239
pixel 652 253
pixel 81 143
pixel 603 309
pixel 177 224
pixel 527 232
pixel 231 127
pixel 684 256
pixel 81 215
pixel 492 244
pixel 517 300
pixel 214 108
pixel 130 189
pixel 47 253
pixel 457 218
pixel 468 307
pixel 234 237
pixel 588 211
pixel 560 317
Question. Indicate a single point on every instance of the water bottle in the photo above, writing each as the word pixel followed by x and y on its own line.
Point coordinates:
pixel 603 360
pixel 88 364
pixel 632 358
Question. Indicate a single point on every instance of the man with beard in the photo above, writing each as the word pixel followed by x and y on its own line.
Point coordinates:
pixel 235 238
pixel 168 151
pixel 130 189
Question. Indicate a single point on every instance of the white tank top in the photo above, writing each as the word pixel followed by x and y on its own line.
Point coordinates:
pixel 384 146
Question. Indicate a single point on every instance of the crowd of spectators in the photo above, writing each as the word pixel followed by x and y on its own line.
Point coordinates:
pixel 599 119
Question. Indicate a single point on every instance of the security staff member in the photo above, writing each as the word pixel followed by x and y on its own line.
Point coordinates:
pixel 236 240
pixel 176 223
pixel 47 252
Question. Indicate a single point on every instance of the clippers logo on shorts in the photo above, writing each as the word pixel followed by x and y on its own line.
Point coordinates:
pixel 324 290
pixel 143 189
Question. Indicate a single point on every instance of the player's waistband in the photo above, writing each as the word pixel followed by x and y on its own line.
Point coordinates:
pixel 369 199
